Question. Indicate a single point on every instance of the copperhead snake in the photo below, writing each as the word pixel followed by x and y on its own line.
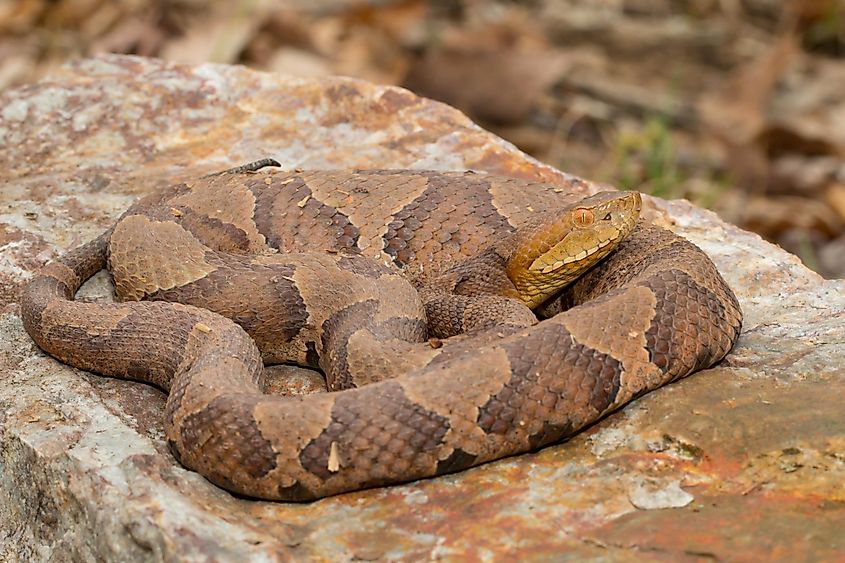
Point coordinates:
pixel 354 273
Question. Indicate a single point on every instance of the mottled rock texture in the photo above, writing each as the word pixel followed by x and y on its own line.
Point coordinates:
pixel 745 461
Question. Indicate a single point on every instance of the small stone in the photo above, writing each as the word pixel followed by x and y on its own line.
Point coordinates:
pixel 651 495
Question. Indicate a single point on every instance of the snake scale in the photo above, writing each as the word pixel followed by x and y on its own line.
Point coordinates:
pixel 410 290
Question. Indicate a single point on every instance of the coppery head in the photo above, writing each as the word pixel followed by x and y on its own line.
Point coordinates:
pixel 550 254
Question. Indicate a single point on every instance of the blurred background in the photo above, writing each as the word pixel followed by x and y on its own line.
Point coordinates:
pixel 736 105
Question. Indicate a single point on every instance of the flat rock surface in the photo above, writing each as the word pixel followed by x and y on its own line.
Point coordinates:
pixel 745 461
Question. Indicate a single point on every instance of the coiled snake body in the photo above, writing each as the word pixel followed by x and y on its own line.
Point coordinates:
pixel 314 268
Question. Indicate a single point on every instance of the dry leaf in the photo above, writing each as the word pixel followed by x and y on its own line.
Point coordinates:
pixel 499 86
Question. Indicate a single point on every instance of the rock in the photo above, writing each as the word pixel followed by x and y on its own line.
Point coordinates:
pixel 85 474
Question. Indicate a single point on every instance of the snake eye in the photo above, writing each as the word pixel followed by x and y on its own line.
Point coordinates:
pixel 583 217
pixel 606 217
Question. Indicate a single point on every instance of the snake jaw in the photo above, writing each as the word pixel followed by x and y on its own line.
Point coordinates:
pixel 550 254
pixel 572 259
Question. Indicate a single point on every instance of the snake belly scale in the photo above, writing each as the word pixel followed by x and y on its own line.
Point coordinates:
pixel 353 272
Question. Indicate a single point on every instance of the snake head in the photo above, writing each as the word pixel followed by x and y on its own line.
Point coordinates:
pixel 549 254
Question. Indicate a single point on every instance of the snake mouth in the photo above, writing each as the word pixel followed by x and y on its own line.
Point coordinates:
pixel 548 269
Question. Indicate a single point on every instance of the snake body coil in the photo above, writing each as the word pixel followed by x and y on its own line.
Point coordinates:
pixel 314 268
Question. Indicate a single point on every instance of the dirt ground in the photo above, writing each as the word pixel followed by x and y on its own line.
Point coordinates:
pixel 736 105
